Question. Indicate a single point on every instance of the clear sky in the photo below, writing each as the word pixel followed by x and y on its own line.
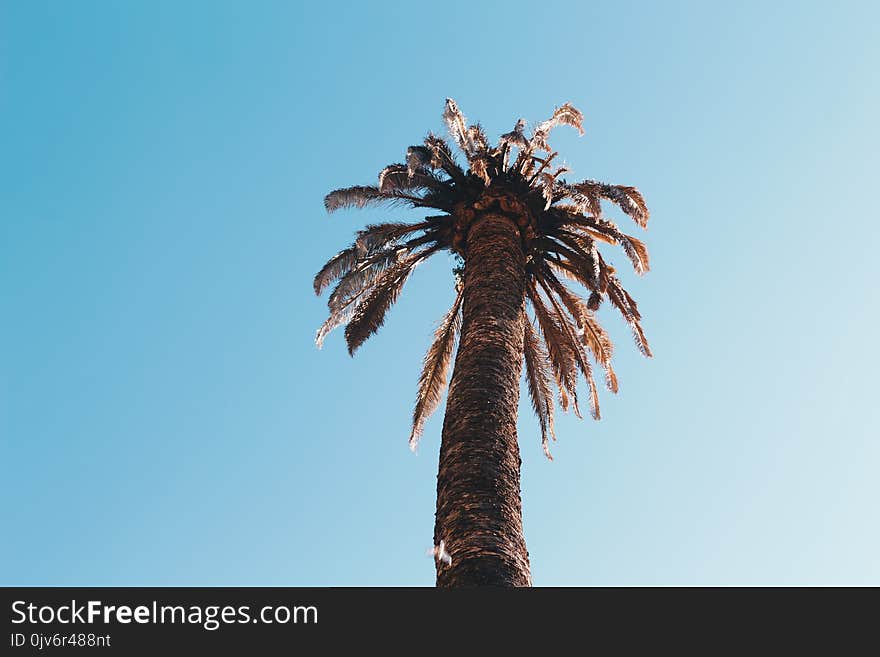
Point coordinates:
pixel 167 420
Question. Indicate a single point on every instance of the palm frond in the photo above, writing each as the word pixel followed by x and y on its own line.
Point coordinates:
pixel 600 345
pixel 480 167
pixel 335 268
pixel 399 178
pixel 376 236
pixel 358 196
pixel 628 199
pixel 362 277
pixel 631 201
pixel 583 263
pixel 621 300
pixel 585 195
pixel 572 273
pixel 515 137
pixel 559 351
pixel 580 356
pixel 478 138
pixel 608 231
pixel 442 157
pixel 419 159
pixel 352 288
pixel 593 334
pixel 432 381
pixel 636 251
pixel 538 375
pixel 565 115
pixel 370 313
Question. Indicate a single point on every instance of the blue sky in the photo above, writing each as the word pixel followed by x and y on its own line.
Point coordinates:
pixel 166 419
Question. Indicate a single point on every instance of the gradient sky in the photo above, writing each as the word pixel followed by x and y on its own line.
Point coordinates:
pixel 167 420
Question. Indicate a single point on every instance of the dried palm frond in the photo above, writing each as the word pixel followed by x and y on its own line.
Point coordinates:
pixel 334 321
pixel 419 159
pixel 442 158
pixel 480 168
pixel 559 350
pixel 362 277
pixel 630 200
pixel 565 115
pixel 358 196
pixel 538 375
pixel 376 236
pixel 337 266
pixel 432 381
pixel 456 124
pixel 600 345
pixel 589 192
pixel 621 300
pixel 370 313
pixel 478 138
pixel 594 336
pixel 515 137
pixel 399 178
pixel 607 231
pixel 576 346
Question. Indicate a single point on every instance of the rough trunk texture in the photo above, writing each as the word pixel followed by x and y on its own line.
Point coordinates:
pixel 479 511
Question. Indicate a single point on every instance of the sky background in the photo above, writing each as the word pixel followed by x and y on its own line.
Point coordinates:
pixel 165 418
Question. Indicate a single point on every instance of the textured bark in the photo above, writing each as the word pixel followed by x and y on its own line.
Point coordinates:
pixel 479 511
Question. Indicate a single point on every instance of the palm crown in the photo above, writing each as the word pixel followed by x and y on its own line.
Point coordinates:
pixel 560 224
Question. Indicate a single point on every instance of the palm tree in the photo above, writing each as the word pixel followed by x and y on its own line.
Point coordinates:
pixel 519 230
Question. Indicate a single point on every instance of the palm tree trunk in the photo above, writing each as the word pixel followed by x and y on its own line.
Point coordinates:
pixel 479 511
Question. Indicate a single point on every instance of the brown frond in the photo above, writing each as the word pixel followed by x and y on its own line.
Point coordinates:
pixel 358 196
pixel 591 331
pixel 352 288
pixel 631 201
pixel 559 350
pixel 547 181
pixel 515 137
pixel 637 252
pixel 538 375
pixel 419 159
pixel 336 267
pixel 628 199
pixel 456 124
pixel 585 195
pixel 399 178
pixel 607 231
pixel 565 115
pixel 602 237
pixel 370 313
pixel 621 300
pixel 600 345
pixel 432 381
pixel 580 355
pixel 568 114
pixel 480 167
pixel 376 236
pixel 568 271
pixel 362 277
pixel 442 157
pixel 583 260
pixel 478 138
